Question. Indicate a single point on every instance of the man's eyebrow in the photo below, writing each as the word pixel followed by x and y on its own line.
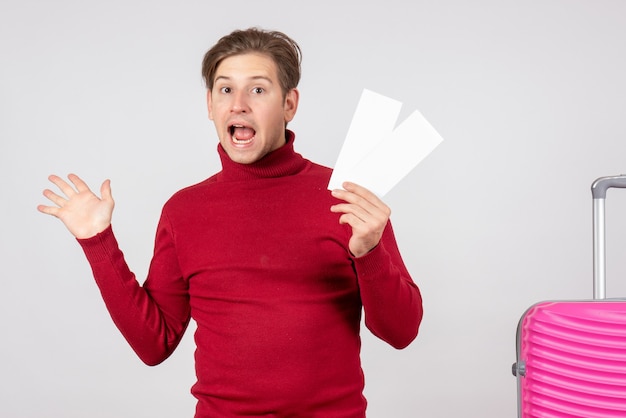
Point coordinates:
pixel 262 77
pixel 256 77
pixel 221 77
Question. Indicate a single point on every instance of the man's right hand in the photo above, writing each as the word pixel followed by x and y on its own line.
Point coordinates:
pixel 82 212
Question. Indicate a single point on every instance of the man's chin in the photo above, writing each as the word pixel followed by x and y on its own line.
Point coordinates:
pixel 242 157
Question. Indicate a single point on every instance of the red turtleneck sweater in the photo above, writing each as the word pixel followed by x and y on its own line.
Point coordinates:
pixel 255 256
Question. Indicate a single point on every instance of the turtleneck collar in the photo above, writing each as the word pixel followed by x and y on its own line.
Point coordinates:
pixel 281 162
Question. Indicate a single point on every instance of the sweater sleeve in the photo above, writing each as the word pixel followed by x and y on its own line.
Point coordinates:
pixel 391 300
pixel 152 317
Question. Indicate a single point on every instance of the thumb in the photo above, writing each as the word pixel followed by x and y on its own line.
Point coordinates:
pixel 105 191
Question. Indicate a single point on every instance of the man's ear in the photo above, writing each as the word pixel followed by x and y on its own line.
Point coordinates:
pixel 291 104
pixel 209 104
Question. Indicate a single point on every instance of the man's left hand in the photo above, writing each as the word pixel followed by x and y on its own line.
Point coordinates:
pixel 365 213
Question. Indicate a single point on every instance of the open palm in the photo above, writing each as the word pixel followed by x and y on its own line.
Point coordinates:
pixel 83 213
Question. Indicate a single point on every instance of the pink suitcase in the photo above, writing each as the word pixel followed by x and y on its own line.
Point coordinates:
pixel 571 355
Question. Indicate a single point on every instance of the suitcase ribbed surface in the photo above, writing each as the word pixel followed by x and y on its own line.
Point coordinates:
pixel 575 359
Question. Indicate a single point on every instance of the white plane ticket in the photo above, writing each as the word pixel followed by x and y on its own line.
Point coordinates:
pixel 376 153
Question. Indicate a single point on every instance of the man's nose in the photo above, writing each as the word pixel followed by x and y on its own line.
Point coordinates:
pixel 240 102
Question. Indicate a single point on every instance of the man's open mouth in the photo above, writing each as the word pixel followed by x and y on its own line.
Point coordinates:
pixel 241 134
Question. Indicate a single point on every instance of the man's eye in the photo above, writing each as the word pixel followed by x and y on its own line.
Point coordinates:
pixel 258 90
pixel 225 90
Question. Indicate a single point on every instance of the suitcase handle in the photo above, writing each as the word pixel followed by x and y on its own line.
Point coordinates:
pixel 601 185
pixel 598 191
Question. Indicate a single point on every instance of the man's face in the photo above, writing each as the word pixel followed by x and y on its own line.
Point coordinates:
pixel 247 107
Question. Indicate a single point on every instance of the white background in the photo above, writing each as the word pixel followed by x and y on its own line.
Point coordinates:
pixel 530 97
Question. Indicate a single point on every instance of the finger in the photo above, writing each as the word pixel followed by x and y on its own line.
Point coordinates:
pixel 347 208
pixel 62 185
pixel 353 220
pixel 81 186
pixel 54 198
pixel 361 191
pixel 366 194
pixel 349 197
pixel 352 196
pixel 358 189
pixel 105 190
pixel 48 210
pixel 361 206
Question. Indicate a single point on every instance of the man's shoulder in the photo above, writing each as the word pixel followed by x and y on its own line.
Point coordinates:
pixel 319 169
pixel 191 192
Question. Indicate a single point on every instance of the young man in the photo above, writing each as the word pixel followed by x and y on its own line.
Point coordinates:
pixel 273 268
